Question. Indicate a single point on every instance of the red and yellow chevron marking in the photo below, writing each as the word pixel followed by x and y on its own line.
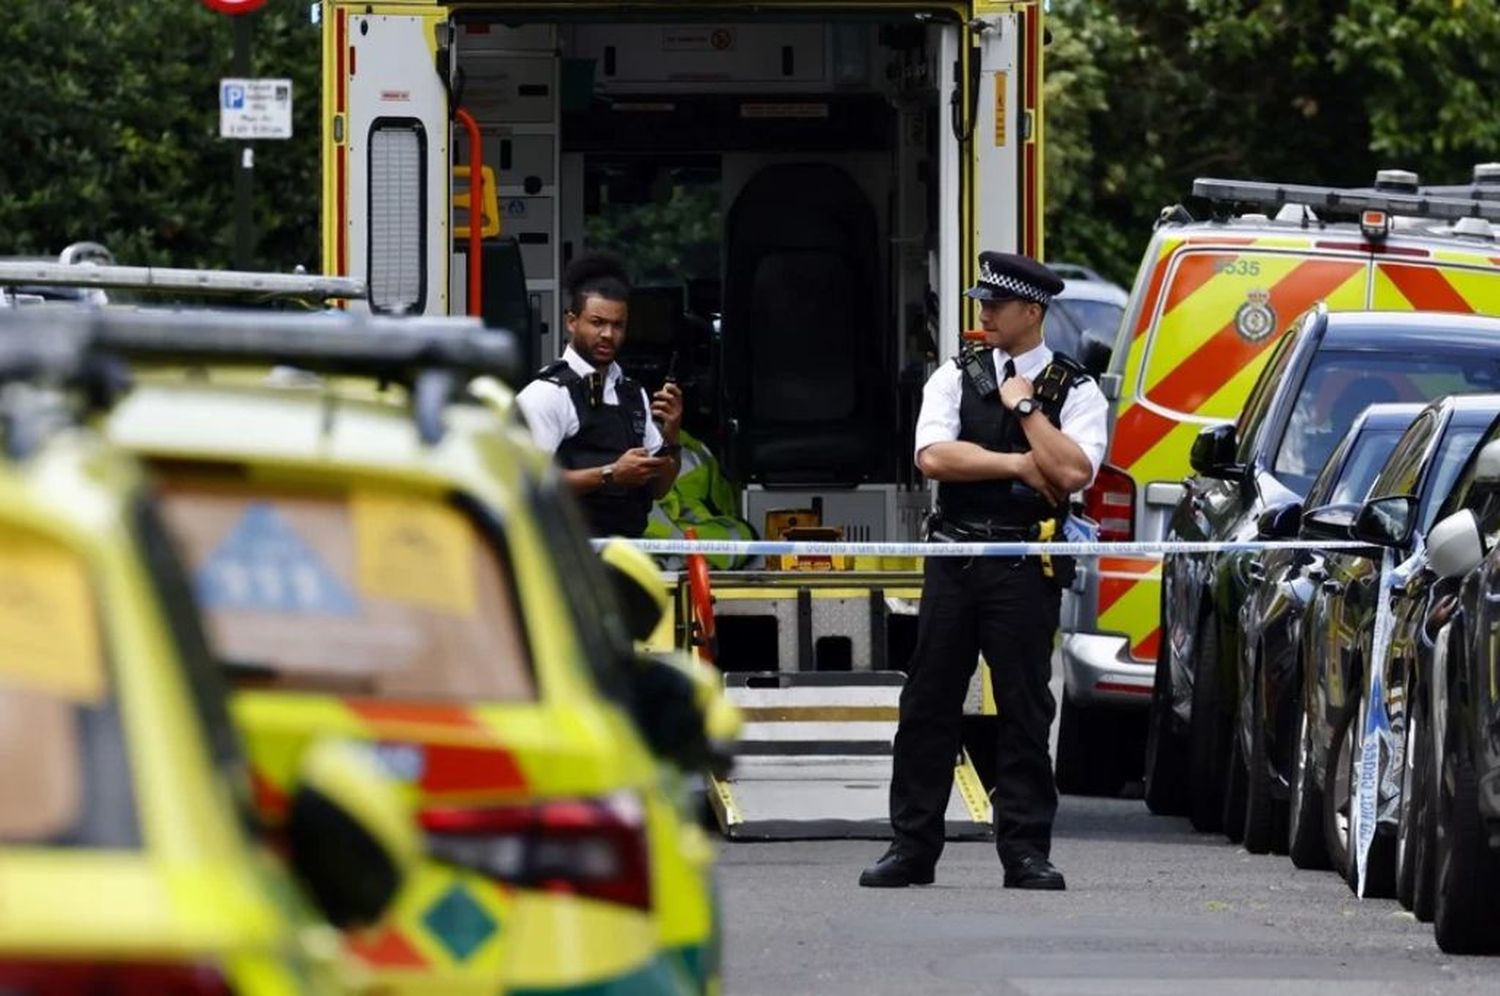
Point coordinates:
pixel 1197 364
pixel 1129 591
pixel 1198 351
pixel 1428 287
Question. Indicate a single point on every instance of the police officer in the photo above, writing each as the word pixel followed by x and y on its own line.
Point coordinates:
pixel 618 449
pixel 1008 432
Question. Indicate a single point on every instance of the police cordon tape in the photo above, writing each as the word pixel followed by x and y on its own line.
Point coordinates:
pixel 1371 769
pixel 776 548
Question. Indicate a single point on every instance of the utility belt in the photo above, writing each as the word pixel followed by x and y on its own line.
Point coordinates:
pixel 945 529
pixel 950 530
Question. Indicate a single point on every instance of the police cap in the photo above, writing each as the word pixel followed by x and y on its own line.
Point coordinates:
pixel 1006 276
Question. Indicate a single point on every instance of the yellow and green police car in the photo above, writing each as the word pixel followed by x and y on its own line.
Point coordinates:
pixel 128 858
pixel 400 567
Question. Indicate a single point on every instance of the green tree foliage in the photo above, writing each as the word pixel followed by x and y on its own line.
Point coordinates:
pixel 109 129
pixel 1145 95
pixel 109 119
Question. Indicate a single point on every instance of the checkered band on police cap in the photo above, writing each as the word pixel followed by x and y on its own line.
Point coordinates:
pixel 1008 275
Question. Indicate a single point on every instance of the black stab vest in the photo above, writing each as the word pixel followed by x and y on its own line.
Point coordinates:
pixel 984 420
pixel 605 432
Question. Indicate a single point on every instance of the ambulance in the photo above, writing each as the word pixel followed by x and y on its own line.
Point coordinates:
pixel 1211 296
pixel 804 186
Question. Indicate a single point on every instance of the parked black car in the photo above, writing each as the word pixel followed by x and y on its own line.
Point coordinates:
pixel 1325 370
pixel 1427 599
pixel 1453 820
pixel 1281 584
pixel 1337 645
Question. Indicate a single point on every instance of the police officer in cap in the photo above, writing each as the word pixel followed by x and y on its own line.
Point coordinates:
pixel 618 449
pixel 1008 432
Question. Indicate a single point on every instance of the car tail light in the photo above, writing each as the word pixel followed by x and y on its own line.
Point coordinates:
pixel 1110 501
pixel 593 847
pixel 41 977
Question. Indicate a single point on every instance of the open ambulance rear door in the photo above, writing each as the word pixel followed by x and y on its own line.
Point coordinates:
pixel 386 158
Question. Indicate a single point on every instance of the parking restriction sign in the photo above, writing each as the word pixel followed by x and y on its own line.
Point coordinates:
pixel 255 108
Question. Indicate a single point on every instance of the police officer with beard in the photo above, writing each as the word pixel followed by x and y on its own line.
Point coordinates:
pixel 1008 432
pixel 618 449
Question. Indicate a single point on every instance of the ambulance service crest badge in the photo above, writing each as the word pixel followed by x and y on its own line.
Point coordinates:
pixel 1256 319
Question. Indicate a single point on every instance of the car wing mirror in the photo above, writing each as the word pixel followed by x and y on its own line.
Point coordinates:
pixel 1280 522
pixel 1455 546
pixel 681 710
pixel 1213 452
pixel 1327 522
pixel 1094 353
pixel 1487 464
pixel 1385 521
pixel 352 838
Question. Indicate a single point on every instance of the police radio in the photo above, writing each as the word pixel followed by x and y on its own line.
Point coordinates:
pixel 978 366
pixel 669 378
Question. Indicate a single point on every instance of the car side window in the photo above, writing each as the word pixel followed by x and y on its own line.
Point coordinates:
pixel 1254 414
pixel 1323 485
pixel 1404 468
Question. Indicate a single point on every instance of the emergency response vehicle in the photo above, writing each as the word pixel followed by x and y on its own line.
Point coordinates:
pixel 130 859
pixel 481 663
pixel 844 164
pixel 1209 301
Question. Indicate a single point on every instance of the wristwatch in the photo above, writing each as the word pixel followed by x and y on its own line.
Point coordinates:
pixel 1025 407
pixel 607 475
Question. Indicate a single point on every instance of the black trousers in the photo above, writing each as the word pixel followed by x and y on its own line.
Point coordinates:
pixel 1007 608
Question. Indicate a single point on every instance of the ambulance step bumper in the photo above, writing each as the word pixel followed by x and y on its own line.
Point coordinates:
pixel 815 761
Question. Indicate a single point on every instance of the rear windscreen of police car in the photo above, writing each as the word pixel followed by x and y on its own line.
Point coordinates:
pixel 1341 384
pixel 64 777
pixel 366 591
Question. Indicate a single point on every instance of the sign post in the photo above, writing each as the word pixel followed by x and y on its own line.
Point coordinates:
pixel 244 175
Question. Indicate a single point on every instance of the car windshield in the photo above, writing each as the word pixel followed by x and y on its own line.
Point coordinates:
pixel 365 591
pixel 1340 384
pixel 67 782
pixel 1369 454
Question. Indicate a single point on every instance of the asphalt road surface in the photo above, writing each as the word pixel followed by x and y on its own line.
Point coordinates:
pixel 1151 908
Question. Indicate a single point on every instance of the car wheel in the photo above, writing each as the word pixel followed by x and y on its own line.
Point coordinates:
pixel 1424 876
pixel 1305 843
pixel 1207 754
pixel 1466 920
pixel 1265 816
pixel 1336 794
pixel 1232 818
pixel 1165 772
pixel 1407 830
pixel 1087 759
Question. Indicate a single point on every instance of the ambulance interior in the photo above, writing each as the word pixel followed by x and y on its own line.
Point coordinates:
pixel 773 187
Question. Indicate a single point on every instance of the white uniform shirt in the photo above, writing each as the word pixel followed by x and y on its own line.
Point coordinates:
pixel 1085 413
pixel 549 408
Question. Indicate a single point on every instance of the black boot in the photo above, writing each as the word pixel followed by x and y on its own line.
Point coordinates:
pixel 1032 871
pixel 894 871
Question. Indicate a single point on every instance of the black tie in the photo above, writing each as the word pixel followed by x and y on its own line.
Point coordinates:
pixel 1010 371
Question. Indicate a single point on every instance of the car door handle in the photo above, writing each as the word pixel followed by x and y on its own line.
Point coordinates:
pixel 1333 587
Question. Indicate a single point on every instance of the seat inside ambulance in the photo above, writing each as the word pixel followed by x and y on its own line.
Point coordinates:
pixel 805 389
